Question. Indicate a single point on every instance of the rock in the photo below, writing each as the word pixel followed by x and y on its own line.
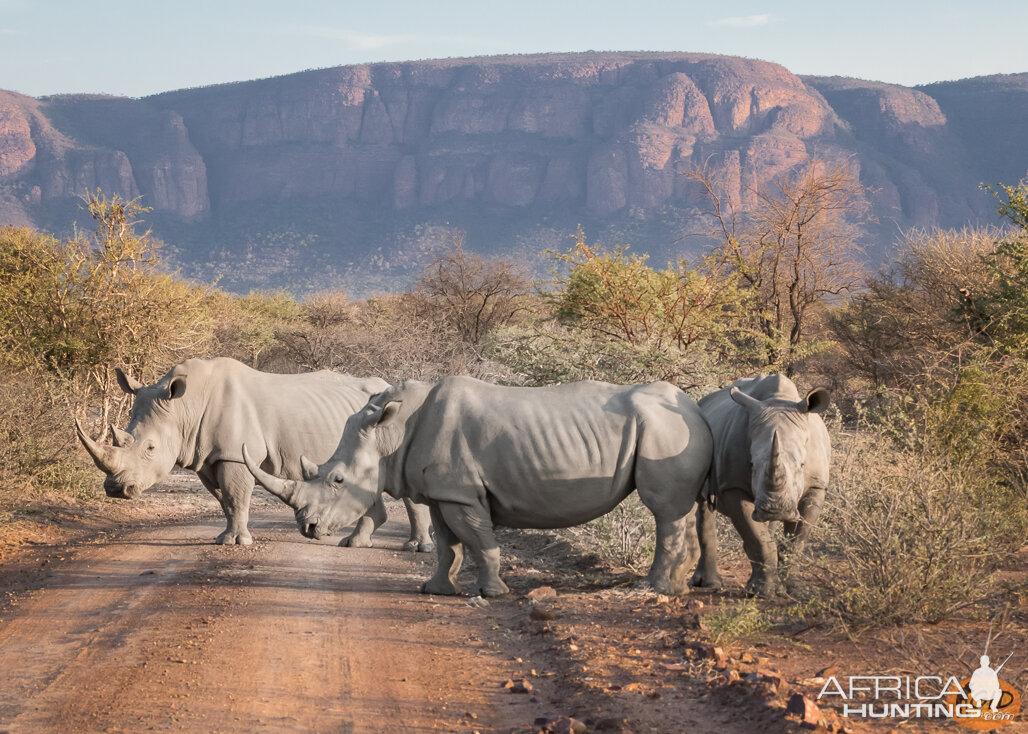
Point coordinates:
pixel 807 711
pixel 543 613
pixel 541 592
pixel 747 658
pixel 554 724
pixel 478 602
pixel 714 653
pixel 772 678
pixel 694 622
pixel 611 724
pixel 522 685
pixel 830 671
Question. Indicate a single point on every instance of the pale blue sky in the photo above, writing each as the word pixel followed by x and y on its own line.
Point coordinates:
pixel 142 47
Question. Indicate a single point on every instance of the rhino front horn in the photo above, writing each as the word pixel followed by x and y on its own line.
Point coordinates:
pixel 281 488
pixel 101 455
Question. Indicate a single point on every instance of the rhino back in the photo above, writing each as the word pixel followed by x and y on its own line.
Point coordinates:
pixel 277 416
pixel 545 457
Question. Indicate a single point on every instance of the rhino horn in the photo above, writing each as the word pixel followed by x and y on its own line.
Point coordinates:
pixel 121 438
pixel 281 488
pixel 309 468
pixel 102 456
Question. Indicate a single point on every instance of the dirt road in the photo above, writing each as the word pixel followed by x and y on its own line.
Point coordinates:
pixel 126 617
pixel 160 629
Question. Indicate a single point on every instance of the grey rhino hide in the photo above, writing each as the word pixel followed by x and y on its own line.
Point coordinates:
pixel 483 455
pixel 202 411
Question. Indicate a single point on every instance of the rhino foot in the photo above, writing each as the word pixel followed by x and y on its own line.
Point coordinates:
pixel 419 546
pixel 230 538
pixel 495 587
pixel 646 586
pixel 706 581
pixel 762 588
pixel 357 541
pixel 443 588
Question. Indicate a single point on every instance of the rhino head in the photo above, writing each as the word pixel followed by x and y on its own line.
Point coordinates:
pixel 341 490
pixel 778 432
pixel 146 452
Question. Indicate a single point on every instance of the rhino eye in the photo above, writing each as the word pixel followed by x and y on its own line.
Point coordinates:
pixel 337 480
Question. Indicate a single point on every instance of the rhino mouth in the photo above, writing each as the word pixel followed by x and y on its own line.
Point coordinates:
pixel 121 491
pixel 312 529
pixel 761 514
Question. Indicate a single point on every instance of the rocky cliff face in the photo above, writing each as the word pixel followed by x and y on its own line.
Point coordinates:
pixel 598 138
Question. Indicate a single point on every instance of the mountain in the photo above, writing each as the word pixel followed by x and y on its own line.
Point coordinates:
pixel 350 175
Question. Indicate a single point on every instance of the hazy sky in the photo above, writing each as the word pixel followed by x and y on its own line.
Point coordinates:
pixel 143 47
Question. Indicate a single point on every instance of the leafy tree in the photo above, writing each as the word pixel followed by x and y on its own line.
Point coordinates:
pixel 73 309
pixel 795 248
pixel 1000 312
pixel 474 294
pixel 619 319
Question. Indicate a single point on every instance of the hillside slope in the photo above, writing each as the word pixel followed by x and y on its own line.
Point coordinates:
pixel 350 174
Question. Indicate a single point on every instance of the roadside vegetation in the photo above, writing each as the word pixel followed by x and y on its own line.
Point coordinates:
pixel 926 357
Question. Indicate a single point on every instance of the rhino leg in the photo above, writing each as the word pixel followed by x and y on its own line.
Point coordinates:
pixel 677 544
pixel 370 522
pixel 756 541
pixel 473 526
pixel 796 533
pixel 450 556
pixel 420 528
pixel 236 486
pixel 706 575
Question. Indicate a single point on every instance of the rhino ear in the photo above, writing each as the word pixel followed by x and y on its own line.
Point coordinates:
pixel 121 438
pixel 817 401
pixel 177 388
pixel 309 468
pixel 127 383
pixel 381 415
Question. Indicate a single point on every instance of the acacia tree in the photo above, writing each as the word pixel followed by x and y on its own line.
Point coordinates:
pixel 796 247
pixel 72 310
pixel 476 294
pixel 614 294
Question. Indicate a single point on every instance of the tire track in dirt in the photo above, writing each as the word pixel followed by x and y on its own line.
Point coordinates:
pixel 160 629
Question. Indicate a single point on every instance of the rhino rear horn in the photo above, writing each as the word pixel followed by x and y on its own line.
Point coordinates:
pixel 121 438
pixel 281 488
pixel 102 456
pixel 309 468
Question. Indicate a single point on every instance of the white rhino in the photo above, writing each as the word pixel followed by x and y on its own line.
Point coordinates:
pixel 482 455
pixel 199 414
pixel 771 459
